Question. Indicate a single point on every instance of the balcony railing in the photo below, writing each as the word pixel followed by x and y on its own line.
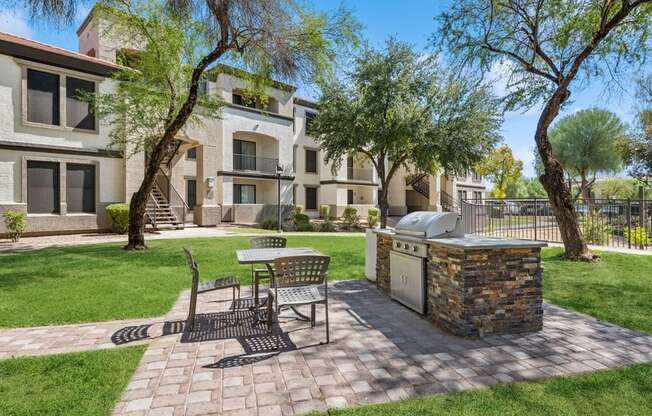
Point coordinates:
pixel 356 174
pixel 254 164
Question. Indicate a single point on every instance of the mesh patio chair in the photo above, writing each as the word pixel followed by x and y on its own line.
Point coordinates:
pixel 259 274
pixel 197 288
pixel 296 281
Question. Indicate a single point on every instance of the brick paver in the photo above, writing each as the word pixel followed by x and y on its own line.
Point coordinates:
pixel 379 351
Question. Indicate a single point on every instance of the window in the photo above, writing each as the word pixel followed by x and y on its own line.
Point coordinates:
pixel 79 113
pixel 80 188
pixel 244 194
pixel 311 161
pixel 237 99
pixel 42 187
pixel 477 196
pixel 42 97
pixel 311 198
pixel 191 193
pixel 191 154
pixel 244 155
pixel 461 195
pixel 349 196
pixel 309 120
pixel 476 176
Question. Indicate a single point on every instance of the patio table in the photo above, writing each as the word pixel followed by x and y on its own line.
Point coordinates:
pixel 267 256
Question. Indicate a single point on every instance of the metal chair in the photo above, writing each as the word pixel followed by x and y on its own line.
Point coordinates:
pixel 196 288
pixel 260 274
pixel 296 281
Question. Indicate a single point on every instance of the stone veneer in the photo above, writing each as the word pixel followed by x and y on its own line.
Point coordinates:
pixel 383 247
pixel 477 286
pixel 481 291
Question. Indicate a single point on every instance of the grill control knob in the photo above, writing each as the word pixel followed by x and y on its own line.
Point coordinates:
pixel 406 246
pixel 415 248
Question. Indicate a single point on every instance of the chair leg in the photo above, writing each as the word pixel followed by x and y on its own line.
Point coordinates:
pixel 327 328
pixel 313 308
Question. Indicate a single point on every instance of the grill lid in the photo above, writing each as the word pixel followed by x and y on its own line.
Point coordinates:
pixel 429 224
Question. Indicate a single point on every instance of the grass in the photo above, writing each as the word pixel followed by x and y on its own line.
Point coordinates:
pixel 90 283
pixel 87 383
pixel 618 289
pixel 626 391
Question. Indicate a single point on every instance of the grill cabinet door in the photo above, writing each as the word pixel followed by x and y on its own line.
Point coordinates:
pixel 407 280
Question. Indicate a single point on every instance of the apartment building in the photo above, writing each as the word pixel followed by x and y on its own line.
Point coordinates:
pixel 56 163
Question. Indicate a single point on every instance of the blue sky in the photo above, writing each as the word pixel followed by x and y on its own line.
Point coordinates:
pixel 410 21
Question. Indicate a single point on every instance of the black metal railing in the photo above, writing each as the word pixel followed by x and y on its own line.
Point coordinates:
pixel 243 162
pixel 621 223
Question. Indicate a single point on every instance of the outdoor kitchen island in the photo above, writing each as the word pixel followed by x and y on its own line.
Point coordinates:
pixel 470 286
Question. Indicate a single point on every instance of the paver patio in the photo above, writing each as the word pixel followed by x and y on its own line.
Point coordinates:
pixel 379 352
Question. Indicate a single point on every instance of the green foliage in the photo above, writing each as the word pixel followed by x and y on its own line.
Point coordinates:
pixel 350 218
pixel 401 105
pixel 596 229
pixel 638 237
pixel 327 227
pixel 325 211
pixel 588 142
pixel 302 222
pixel 526 188
pixel 501 168
pixel 372 217
pixel 616 188
pixel 532 46
pixel 119 216
pixel 269 224
pixel 15 224
pixel 298 209
pixel 638 146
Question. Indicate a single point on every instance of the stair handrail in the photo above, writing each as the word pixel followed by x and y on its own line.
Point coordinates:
pixel 184 205
pixel 153 198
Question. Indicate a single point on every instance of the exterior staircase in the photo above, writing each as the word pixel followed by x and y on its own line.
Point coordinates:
pixel 419 183
pixel 448 203
pixel 159 214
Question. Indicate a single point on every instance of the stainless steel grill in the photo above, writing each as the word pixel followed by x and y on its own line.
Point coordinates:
pixel 410 251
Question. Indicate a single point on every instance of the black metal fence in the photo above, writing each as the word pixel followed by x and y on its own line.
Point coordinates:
pixel 604 222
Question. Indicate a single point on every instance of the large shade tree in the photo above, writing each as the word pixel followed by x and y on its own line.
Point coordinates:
pixel 545 48
pixel 178 41
pixel 638 152
pixel 587 143
pixel 398 108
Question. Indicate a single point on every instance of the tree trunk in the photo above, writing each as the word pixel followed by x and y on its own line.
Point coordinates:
pixel 559 194
pixel 585 189
pixel 384 205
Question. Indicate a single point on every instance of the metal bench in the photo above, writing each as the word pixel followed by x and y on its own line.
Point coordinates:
pixel 196 288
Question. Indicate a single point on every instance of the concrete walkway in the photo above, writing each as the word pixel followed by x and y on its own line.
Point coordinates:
pixel 379 352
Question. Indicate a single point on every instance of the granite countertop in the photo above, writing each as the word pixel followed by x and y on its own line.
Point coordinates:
pixel 480 242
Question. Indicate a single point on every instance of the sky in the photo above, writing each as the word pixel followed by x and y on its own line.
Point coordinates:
pixel 410 21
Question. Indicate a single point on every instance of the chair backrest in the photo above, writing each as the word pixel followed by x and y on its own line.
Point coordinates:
pixel 268 242
pixel 194 287
pixel 300 270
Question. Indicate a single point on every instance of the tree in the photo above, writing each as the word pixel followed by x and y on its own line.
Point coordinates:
pixel 617 188
pixel 179 41
pixel 397 108
pixel 638 149
pixel 502 169
pixel 586 143
pixel 544 46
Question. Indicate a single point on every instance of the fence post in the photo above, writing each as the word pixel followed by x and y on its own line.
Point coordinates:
pixel 641 214
pixel 629 223
pixel 536 213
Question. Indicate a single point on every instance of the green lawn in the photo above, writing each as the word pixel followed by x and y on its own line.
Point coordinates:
pixel 101 282
pixel 625 391
pixel 87 383
pixel 618 289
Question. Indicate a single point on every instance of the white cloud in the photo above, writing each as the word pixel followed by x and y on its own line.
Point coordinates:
pixel 15 22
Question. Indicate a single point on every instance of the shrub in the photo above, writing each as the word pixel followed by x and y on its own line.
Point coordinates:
pixel 15 223
pixel 302 222
pixel 325 211
pixel 268 224
pixel 596 230
pixel 373 217
pixel 119 216
pixel 637 236
pixel 350 218
pixel 298 209
pixel 327 227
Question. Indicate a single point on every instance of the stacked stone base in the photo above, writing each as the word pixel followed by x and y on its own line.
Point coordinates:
pixel 474 291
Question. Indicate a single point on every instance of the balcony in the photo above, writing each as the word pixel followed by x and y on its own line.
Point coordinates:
pixel 359 174
pixel 250 163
